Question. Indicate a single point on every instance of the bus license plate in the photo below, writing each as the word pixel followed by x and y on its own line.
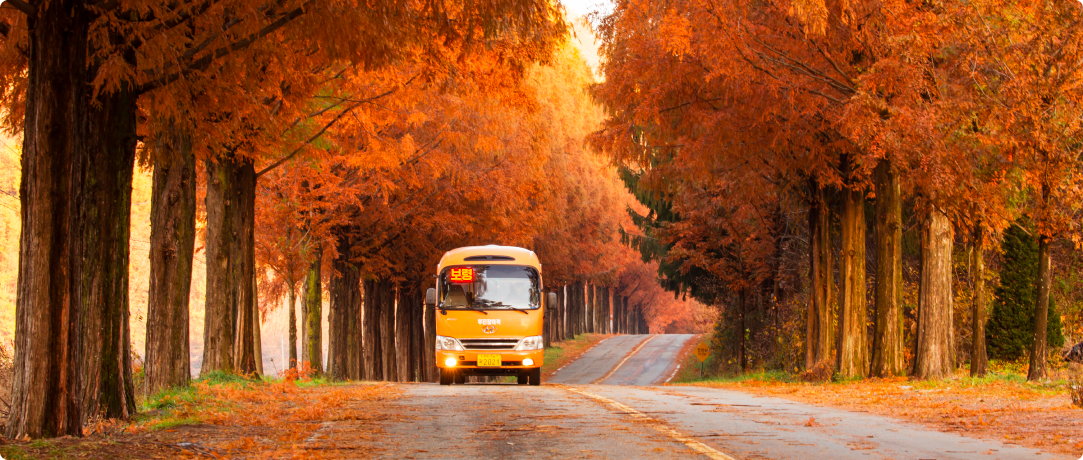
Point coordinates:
pixel 488 360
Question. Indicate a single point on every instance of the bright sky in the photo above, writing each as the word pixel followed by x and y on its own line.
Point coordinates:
pixel 582 7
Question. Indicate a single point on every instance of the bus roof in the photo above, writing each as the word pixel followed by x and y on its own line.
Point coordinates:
pixel 491 254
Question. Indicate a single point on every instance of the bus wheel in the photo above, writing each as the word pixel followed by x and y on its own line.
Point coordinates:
pixel 521 379
pixel 535 376
pixel 460 379
pixel 446 377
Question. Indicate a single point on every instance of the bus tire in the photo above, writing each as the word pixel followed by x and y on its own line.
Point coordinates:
pixel 459 377
pixel 522 378
pixel 535 376
pixel 446 377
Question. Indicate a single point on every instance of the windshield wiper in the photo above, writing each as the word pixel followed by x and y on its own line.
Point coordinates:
pixel 477 309
pixel 488 303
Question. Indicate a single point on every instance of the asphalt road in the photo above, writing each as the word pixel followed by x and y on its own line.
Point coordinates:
pixel 606 405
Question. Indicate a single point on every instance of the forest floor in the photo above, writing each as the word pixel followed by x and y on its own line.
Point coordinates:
pixel 227 417
pixel 1002 406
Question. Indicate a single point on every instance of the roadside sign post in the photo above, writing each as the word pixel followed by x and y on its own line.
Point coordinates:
pixel 702 352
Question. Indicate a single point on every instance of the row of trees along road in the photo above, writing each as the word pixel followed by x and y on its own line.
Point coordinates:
pixel 334 144
pixel 773 142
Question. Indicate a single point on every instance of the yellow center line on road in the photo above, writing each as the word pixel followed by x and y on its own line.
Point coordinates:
pixel 658 425
pixel 621 363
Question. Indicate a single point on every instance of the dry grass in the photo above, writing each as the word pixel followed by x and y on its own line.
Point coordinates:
pixel 229 417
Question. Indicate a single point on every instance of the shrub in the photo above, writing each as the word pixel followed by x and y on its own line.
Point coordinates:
pixel 1010 330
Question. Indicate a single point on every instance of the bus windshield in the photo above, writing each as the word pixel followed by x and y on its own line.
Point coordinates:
pixel 490 287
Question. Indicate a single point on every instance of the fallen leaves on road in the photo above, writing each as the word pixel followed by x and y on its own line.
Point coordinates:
pixel 231 419
pixel 1002 409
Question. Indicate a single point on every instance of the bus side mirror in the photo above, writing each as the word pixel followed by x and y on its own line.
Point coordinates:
pixel 551 301
pixel 430 297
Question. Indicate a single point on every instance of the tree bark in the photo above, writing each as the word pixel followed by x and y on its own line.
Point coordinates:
pixel 242 211
pixel 430 344
pixel 979 359
pixel 345 291
pixel 417 334
pixel 314 314
pixel 402 334
pixel 371 336
pixel 218 326
pixel 820 334
pixel 45 391
pixel 101 193
pixel 562 314
pixel 172 242
pixel 1038 351
pixel 303 358
pixel 853 354
pixel 887 358
pixel 742 357
pixel 387 331
pixel 292 299
pixel 933 357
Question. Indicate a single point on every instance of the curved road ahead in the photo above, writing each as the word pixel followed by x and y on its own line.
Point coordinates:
pixel 607 404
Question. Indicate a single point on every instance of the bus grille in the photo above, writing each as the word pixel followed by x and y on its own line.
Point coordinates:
pixel 489 344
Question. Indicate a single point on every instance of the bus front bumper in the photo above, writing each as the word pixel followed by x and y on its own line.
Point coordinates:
pixel 510 361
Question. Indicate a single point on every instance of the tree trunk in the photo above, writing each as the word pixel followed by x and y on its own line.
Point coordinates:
pixel 853 355
pixel 742 357
pixel 292 299
pixel 887 358
pixel 933 357
pixel 303 358
pixel 257 339
pixel 417 336
pixel 242 211
pixel 402 334
pixel 354 334
pixel 345 292
pixel 45 389
pixel 562 314
pixel 218 326
pixel 387 330
pixel 172 242
pixel 430 344
pixel 314 314
pixel 371 335
pixel 979 359
pixel 820 334
pixel 1038 352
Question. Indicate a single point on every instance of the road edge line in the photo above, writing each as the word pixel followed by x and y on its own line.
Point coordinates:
pixel 626 357
pixel 658 426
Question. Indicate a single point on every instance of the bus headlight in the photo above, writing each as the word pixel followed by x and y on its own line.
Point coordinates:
pixel 528 362
pixel 530 343
pixel 448 344
pixel 450 362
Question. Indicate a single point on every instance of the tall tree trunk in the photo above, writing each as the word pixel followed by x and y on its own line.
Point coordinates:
pixel 102 191
pixel 242 209
pixel 218 326
pixel 430 344
pixel 257 339
pixel 887 358
pixel 45 391
pixel 371 335
pixel 853 353
pixel 402 334
pixel 1038 353
pixel 292 299
pixel 742 356
pixel 979 360
pixel 933 357
pixel 345 292
pixel 820 334
pixel 314 314
pixel 417 336
pixel 172 242
pixel 387 330
pixel 354 334
pixel 303 358
pixel 562 320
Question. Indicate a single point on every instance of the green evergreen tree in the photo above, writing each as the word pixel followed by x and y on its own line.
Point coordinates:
pixel 1010 329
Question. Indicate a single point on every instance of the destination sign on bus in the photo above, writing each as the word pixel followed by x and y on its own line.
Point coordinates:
pixel 461 275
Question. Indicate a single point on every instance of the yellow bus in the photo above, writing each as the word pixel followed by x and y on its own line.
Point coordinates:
pixel 489 313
